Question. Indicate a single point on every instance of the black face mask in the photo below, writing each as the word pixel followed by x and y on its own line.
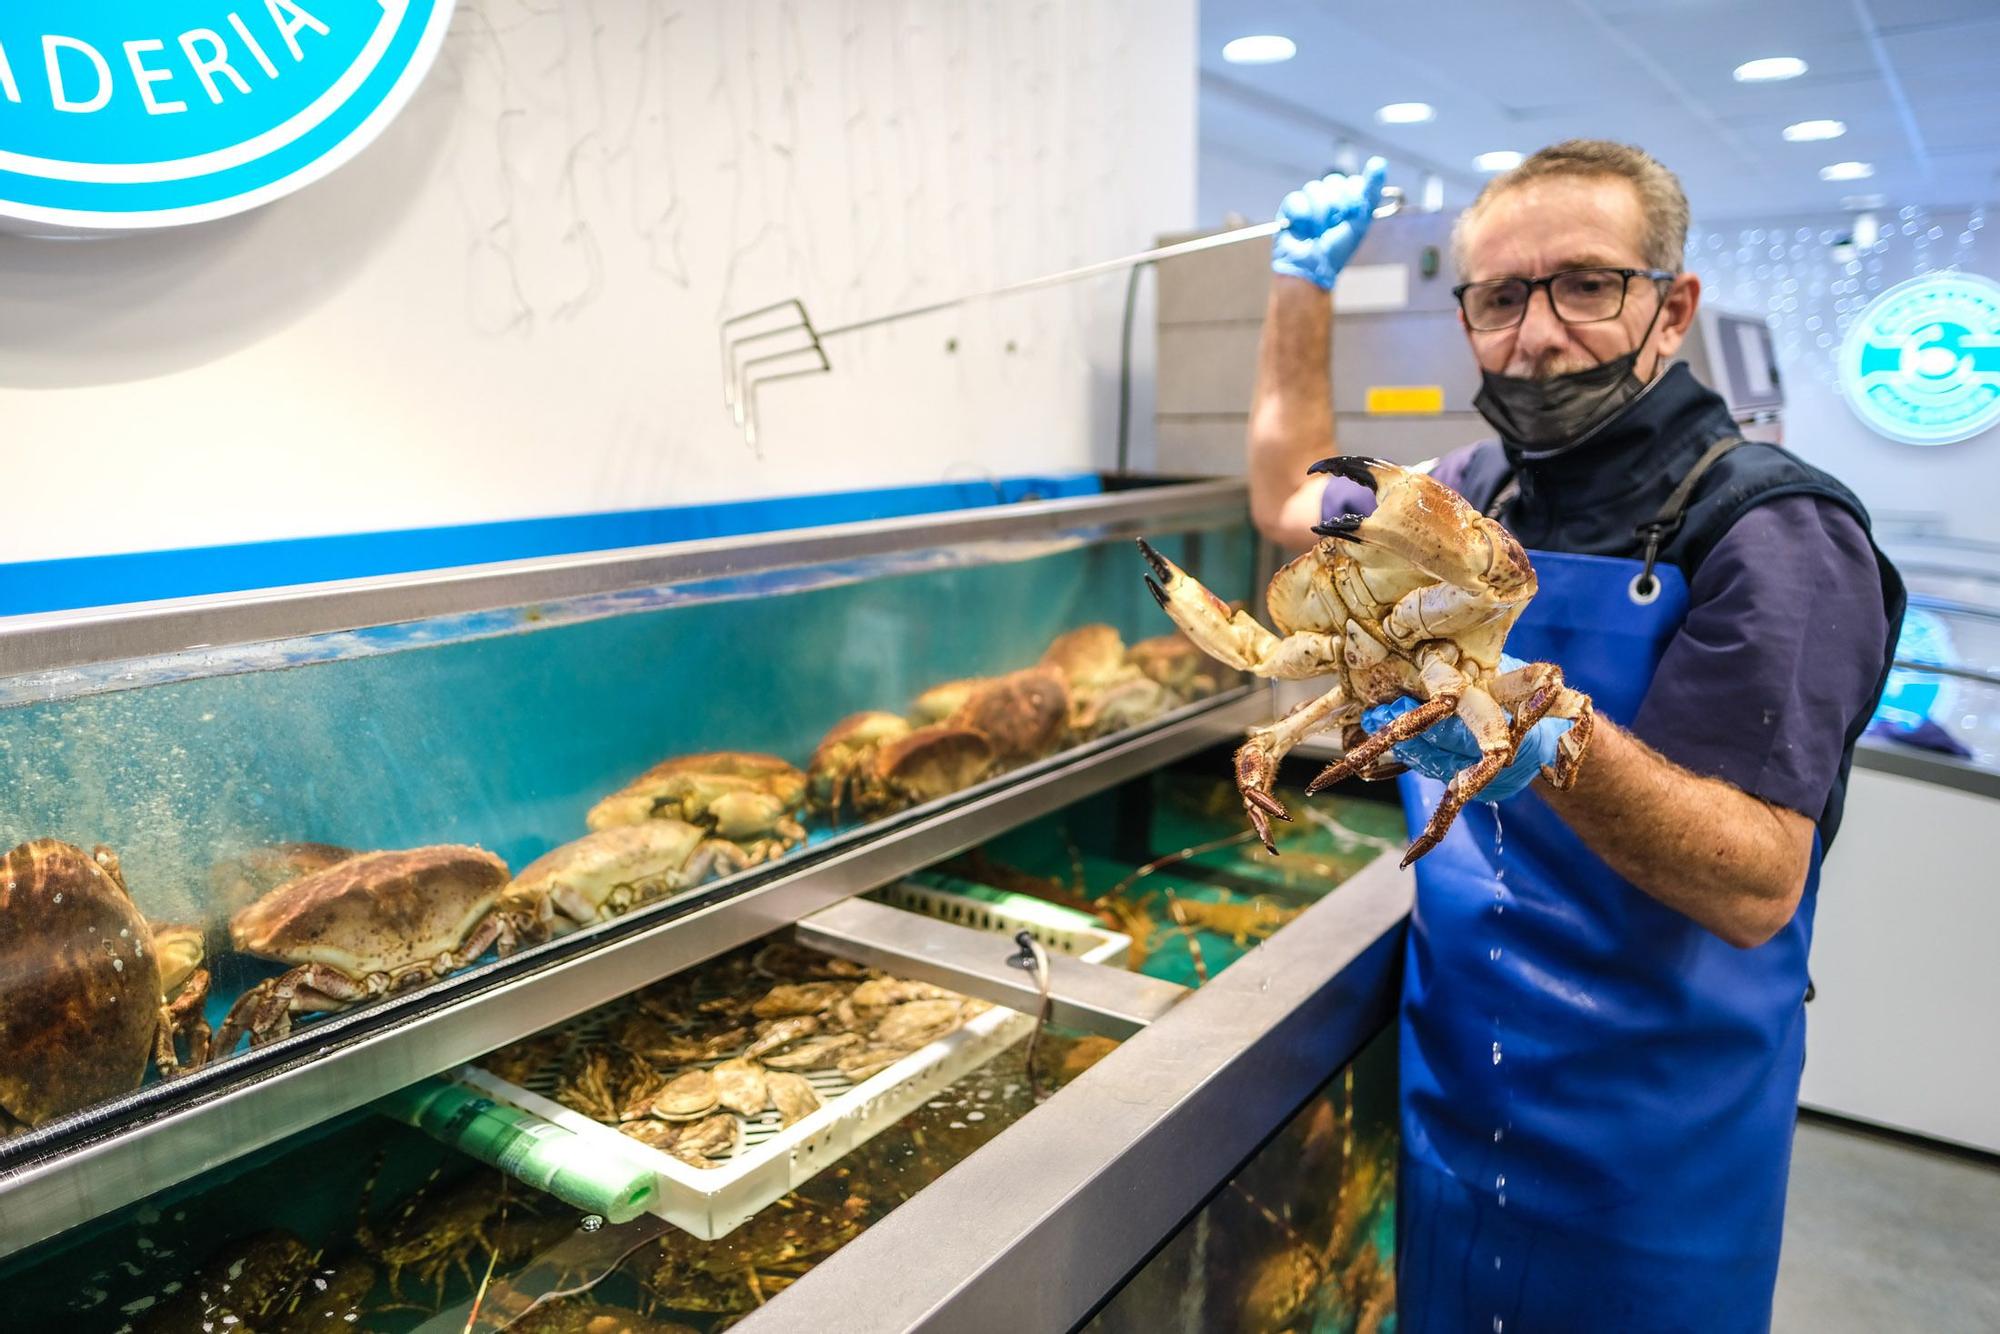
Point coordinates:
pixel 1553 416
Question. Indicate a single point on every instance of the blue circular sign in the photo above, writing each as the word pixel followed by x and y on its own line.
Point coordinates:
pixel 1921 363
pixel 122 114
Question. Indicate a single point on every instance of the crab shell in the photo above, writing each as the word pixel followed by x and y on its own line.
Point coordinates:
pixel 848 745
pixel 180 949
pixel 79 983
pixel 1174 662
pixel 236 882
pixel 1090 655
pixel 375 912
pixel 941 701
pixel 929 763
pixel 735 794
pixel 1022 714
pixel 612 871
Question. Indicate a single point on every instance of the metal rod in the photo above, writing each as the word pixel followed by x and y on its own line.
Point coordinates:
pixel 1940 669
pixel 1392 203
pixel 738 385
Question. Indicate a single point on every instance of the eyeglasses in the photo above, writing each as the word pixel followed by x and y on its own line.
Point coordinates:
pixel 1578 296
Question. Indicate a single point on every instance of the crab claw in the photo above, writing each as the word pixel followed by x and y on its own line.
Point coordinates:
pixel 1354 467
pixel 1421 521
pixel 1256 772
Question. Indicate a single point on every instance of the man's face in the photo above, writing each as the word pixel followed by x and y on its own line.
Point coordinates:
pixel 1559 223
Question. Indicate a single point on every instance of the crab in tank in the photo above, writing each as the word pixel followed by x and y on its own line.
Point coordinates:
pixel 81 1001
pixel 748 798
pixel 1416 599
pixel 607 874
pixel 367 927
pixel 876 763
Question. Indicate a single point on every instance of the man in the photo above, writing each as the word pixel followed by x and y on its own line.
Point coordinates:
pixel 1602 1018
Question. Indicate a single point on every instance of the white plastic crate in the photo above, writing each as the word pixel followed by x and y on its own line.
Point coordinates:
pixel 772 1160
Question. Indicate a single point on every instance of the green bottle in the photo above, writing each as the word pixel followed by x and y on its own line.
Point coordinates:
pixel 526 1147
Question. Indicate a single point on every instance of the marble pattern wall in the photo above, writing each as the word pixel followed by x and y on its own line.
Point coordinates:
pixel 508 305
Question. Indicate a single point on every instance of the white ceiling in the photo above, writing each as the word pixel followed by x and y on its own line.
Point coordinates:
pixel 1917 81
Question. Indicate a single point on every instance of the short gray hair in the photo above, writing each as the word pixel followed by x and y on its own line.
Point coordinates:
pixel 1662 203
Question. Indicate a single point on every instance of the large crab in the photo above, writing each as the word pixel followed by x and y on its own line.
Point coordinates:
pixel 747 798
pixel 603 875
pixel 1417 600
pixel 81 1007
pixel 876 763
pixel 372 925
pixel 1107 691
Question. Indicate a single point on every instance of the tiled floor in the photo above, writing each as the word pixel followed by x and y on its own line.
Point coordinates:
pixel 1883 1236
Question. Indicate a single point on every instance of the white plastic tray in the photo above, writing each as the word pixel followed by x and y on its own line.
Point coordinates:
pixel 772 1160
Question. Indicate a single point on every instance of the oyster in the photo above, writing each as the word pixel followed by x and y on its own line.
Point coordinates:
pixel 777 1034
pixel 885 991
pixel 668 1044
pixel 656 1134
pixel 814 1053
pixel 915 1023
pixel 792 1096
pixel 688 1096
pixel 741 1086
pixel 787 959
pixel 712 1137
pixel 797 998
pixel 867 1062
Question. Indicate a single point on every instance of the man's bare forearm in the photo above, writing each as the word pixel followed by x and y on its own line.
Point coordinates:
pixel 1291 412
pixel 1711 851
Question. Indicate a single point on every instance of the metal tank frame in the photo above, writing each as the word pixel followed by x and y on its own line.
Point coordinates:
pixel 1045 1222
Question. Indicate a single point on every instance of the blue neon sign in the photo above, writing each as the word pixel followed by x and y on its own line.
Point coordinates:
pixel 137 113
pixel 1921 363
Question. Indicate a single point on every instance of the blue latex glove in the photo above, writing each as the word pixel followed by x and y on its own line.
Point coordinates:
pixel 1441 750
pixel 1324 222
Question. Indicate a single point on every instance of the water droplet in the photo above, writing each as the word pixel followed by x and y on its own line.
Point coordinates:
pixel 1496 1262
pixel 1493 953
pixel 1498 1134
pixel 591 1222
pixel 1500 1182
pixel 1503 1199
pixel 1496 1053
pixel 1498 1323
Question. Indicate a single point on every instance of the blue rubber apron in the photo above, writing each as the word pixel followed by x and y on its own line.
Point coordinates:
pixel 1597 1094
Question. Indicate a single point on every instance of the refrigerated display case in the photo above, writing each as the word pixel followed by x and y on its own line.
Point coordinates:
pixel 1923 815
pixel 398 815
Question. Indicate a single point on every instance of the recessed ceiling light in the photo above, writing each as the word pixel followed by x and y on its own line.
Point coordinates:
pixel 1406 113
pixel 1847 171
pixel 1503 159
pixel 1812 131
pixel 1770 69
pixel 1261 49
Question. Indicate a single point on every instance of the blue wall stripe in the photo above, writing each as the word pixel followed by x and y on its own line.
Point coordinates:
pixel 94 581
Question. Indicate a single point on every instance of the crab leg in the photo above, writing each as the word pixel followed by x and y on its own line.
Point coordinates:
pixel 1442 684
pixel 1236 638
pixel 1257 759
pixel 1488 725
pixel 183 1015
pixel 1537 691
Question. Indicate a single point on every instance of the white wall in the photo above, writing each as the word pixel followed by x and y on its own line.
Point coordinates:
pixel 508 305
